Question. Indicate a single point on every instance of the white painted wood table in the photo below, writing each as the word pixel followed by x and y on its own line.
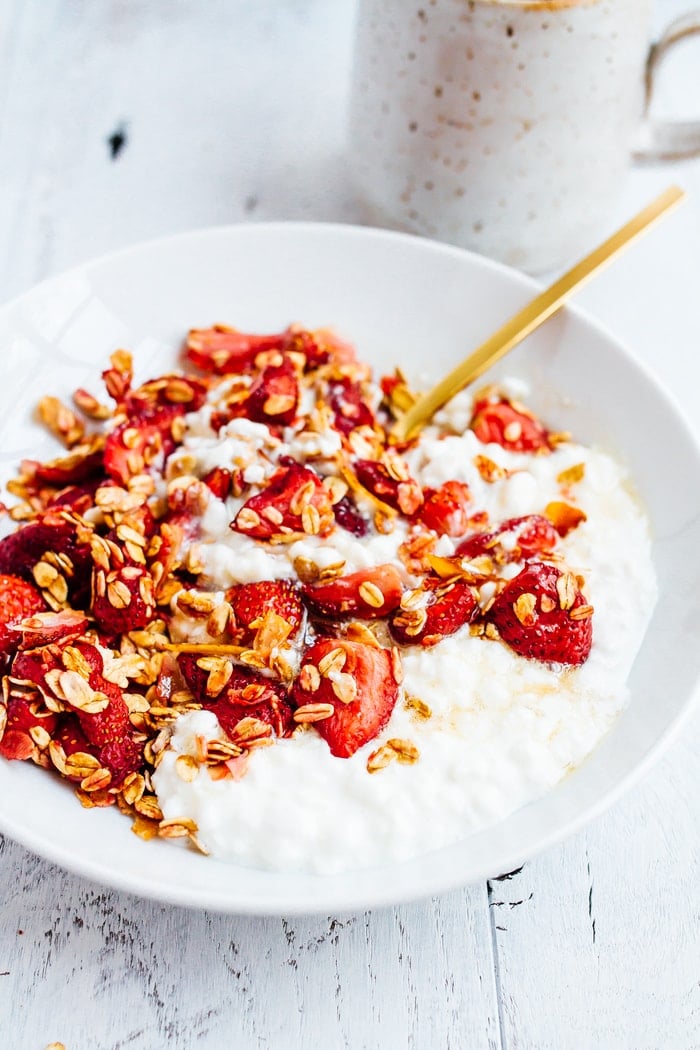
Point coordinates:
pixel 122 120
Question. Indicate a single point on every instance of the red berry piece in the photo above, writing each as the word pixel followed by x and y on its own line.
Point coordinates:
pixel 219 482
pixel 367 594
pixel 348 517
pixel 246 694
pixel 45 628
pixel 225 351
pixel 393 486
pixel 252 601
pixel 512 426
pixel 516 539
pixel 109 729
pixel 274 396
pixel 542 615
pixel 123 599
pixel 19 600
pixel 444 510
pixel 432 612
pixel 54 533
pixel 79 465
pixel 160 400
pixel 353 685
pixel 22 717
pixel 257 699
pixel 135 447
pixel 71 738
pixel 294 500
pixel 350 409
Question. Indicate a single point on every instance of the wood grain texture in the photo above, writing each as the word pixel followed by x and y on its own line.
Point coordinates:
pixel 121 121
pixel 90 967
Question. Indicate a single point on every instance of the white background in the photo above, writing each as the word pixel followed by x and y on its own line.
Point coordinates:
pixel 234 111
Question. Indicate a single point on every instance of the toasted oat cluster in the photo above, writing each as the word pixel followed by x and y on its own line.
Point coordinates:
pixel 111 624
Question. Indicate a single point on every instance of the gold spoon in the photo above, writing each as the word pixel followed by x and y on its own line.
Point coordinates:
pixel 537 311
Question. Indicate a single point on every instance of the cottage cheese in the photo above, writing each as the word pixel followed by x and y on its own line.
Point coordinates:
pixel 503 729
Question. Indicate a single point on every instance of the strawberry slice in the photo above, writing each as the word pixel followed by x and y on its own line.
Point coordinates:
pixel 219 481
pixel 350 409
pixel 274 396
pixel 542 615
pixel 246 694
pixel 293 501
pixel 225 351
pixel 70 736
pixel 444 509
pixel 439 608
pixel 110 730
pixel 163 398
pixel 80 464
pixel 348 517
pixel 22 716
pixel 514 540
pixel 21 550
pixel 251 601
pixel 18 601
pixel 42 628
pixel 403 494
pixel 368 594
pixel 358 682
pixel 508 424
pixel 123 599
pixel 132 447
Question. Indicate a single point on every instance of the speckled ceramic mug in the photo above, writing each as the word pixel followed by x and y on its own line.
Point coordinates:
pixel 505 126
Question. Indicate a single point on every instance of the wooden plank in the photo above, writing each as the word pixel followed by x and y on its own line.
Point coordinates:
pixel 144 975
pixel 598 940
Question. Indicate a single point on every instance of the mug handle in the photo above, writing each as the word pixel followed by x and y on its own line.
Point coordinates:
pixel 666 139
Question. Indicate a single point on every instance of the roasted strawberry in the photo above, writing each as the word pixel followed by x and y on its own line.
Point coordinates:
pixel 23 716
pixel 243 694
pixel 79 465
pixel 316 347
pixel 514 540
pixel 542 614
pixel 55 533
pixel 358 683
pixel 160 400
pixel 262 700
pixel 349 407
pixel 349 518
pixel 219 480
pixel 432 612
pixel 43 628
pixel 367 594
pixel 109 730
pixel 225 351
pixel 274 396
pixel 131 448
pixel 511 425
pixel 392 485
pixel 78 498
pixel 18 600
pixel 294 500
pixel 321 346
pixel 251 601
pixel 71 738
pixel 444 509
pixel 123 599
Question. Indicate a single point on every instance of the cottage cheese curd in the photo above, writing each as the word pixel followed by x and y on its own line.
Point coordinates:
pixel 501 729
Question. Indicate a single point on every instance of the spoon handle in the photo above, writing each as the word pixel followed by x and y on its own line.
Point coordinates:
pixel 535 313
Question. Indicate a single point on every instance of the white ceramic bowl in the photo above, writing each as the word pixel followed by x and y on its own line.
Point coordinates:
pixel 399 299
